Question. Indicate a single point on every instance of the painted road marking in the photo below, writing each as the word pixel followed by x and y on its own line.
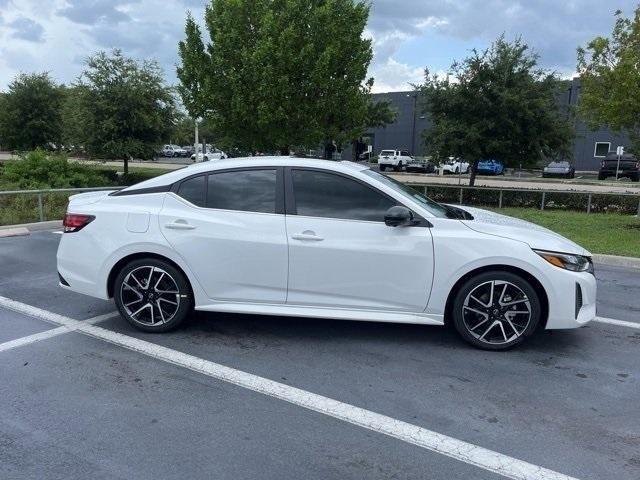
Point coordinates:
pixel 436 442
pixel 620 323
pixel 54 332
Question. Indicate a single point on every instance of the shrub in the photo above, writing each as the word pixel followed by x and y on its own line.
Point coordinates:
pixel 41 170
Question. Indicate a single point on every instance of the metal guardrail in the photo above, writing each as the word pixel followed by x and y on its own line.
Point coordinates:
pixel 424 186
pixel 542 192
pixel 39 193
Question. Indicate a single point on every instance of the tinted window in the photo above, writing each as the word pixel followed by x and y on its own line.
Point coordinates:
pixel 193 190
pixel 319 194
pixel 245 190
pixel 404 153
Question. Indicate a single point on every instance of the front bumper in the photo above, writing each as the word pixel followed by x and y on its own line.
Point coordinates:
pixel 572 300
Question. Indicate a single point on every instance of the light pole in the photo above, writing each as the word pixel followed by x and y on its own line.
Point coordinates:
pixel 413 129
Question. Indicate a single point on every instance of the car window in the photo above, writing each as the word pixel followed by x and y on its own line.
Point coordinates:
pixel 244 190
pixel 404 153
pixel 435 208
pixel 321 194
pixel 387 152
pixel 193 190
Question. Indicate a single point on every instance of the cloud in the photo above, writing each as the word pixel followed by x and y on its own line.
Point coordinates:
pixel 26 29
pixel 395 76
pixel 90 12
pixel 407 35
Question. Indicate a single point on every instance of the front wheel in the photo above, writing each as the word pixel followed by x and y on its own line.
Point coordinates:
pixel 152 295
pixel 496 310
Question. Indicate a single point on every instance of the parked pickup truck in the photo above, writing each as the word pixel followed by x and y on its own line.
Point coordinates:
pixel 394 159
pixel 629 167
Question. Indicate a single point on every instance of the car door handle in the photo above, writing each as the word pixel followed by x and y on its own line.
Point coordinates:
pixel 179 225
pixel 307 235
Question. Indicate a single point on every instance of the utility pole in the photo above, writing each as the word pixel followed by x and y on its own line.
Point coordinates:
pixel 413 130
pixel 619 153
pixel 195 146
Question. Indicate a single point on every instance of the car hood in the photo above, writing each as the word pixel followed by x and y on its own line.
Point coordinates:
pixel 534 235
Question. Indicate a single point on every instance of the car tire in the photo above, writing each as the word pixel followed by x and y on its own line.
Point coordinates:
pixel 493 323
pixel 157 283
pixel 382 167
pixel 398 168
pixel 601 177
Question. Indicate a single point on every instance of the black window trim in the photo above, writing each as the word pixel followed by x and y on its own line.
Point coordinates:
pixel 290 202
pixel 280 196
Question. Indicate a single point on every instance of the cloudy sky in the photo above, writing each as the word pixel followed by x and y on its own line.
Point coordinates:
pixel 57 35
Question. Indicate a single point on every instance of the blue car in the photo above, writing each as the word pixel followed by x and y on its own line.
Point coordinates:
pixel 490 167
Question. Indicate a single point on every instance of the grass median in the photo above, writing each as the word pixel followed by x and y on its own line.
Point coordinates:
pixel 606 233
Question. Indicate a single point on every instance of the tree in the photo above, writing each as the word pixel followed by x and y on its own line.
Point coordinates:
pixel 500 105
pixel 609 71
pixel 119 108
pixel 30 116
pixel 279 73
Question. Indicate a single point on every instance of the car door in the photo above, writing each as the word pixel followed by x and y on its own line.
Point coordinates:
pixel 229 227
pixel 341 253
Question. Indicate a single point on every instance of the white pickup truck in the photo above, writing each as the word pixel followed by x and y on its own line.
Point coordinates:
pixel 395 159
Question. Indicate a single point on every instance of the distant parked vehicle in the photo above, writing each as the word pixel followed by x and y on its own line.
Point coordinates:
pixel 189 149
pixel 213 154
pixel 420 166
pixel 394 159
pixel 561 169
pixel 629 167
pixel 455 165
pixel 173 151
pixel 490 167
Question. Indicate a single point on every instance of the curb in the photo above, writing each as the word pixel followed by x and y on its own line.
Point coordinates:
pixel 13 232
pixel 27 228
pixel 617 261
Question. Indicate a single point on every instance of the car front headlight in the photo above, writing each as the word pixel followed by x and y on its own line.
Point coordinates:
pixel 575 263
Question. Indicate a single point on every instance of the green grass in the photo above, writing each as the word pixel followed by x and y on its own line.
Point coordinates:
pixel 606 233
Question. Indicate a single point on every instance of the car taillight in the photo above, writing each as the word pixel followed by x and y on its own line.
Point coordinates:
pixel 602 164
pixel 74 221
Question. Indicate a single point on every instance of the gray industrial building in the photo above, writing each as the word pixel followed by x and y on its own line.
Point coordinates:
pixel 589 146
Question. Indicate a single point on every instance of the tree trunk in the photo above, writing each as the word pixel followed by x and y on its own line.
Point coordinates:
pixel 285 150
pixel 354 150
pixel 126 164
pixel 474 169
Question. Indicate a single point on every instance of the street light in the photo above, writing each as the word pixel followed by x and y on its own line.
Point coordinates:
pixel 413 130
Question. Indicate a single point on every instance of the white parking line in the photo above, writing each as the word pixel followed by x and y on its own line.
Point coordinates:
pixel 70 326
pixel 620 323
pixel 436 442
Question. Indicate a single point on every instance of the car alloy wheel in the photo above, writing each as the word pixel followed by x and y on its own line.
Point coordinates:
pixel 152 295
pixel 496 312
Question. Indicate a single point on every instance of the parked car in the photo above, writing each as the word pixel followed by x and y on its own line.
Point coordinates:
pixel 324 239
pixel 490 167
pixel 629 167
pixel 189 150
pixel 213 154
pixel 420 165
pixel 455 165
pixel 561 169
pixel 394 159
pixel 173 151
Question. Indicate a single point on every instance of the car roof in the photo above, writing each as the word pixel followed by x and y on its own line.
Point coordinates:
pixel 248 162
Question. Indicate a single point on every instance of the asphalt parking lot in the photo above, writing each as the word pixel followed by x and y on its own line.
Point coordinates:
pixel 98 399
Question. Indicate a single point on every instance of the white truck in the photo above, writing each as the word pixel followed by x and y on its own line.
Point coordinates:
pixel 394 159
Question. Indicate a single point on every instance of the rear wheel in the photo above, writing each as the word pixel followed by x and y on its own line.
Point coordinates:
pixel 383 168
pixel 496 310
pixel 601 176
pixel 152 295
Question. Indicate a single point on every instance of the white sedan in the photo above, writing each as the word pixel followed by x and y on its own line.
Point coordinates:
pixel 314 238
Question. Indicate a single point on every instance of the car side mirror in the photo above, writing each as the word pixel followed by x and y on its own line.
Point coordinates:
pixel 398 216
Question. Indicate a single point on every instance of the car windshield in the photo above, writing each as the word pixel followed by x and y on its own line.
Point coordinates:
pixel 387 152
pixel 438 210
